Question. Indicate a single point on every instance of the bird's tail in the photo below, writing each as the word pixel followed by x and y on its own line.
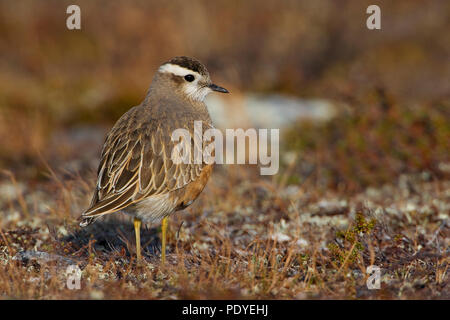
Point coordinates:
pixel 86 220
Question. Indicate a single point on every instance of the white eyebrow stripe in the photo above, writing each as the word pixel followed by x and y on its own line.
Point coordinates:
pixel 176 70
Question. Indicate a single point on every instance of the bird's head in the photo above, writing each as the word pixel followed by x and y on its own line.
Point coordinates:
pixel 188 77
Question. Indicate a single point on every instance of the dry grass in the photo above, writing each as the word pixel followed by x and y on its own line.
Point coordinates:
pixel 244 238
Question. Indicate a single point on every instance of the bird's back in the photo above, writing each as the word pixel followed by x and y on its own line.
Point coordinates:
pixel 136 158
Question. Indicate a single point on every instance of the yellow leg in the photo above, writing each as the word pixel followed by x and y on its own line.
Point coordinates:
pixel 137 230
pixel 164 235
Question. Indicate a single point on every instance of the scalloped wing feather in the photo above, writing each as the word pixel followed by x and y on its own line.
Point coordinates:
pixel 136 164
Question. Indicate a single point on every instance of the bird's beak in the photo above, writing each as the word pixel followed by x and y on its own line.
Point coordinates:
pixel 215 87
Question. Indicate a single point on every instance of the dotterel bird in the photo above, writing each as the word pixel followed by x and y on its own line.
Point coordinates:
pixel 137 174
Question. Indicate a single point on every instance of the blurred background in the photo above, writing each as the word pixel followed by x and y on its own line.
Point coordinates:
pixel 356 106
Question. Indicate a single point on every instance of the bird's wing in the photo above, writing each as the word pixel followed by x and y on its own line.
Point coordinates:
pixel 136 163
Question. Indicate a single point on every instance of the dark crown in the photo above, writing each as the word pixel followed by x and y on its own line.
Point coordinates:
pixel 189 63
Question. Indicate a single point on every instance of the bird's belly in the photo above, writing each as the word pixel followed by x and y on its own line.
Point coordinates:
pixel 152 209
pixel 190 192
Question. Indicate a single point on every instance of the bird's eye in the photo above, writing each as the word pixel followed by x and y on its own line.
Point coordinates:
pixel 189 77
